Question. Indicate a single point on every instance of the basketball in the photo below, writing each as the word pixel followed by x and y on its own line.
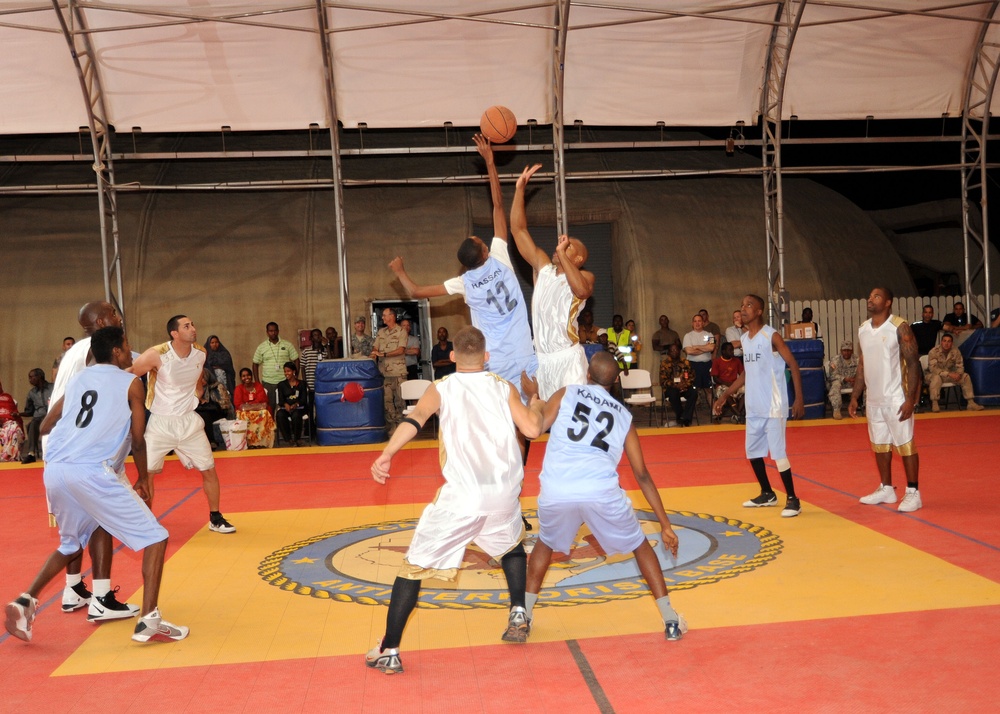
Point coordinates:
pixel 353 392
pixel 498 124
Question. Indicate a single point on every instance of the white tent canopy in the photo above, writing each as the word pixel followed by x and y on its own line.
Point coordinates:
pixel 169 66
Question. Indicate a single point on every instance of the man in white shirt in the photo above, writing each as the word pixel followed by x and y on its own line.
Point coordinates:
pixel 175 371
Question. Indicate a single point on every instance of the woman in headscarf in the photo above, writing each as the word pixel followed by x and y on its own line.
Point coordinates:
pixel 218 359
pixel 250 400
pixel 11 428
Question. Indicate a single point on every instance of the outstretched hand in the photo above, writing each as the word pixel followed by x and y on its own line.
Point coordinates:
pixel 484 147
pixel 396 264
pixel 562 244
pixel 526 175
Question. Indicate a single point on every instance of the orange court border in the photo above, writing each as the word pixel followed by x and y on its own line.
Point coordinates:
pixel 863 608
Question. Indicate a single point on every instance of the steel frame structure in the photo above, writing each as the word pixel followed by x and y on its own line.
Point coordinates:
pixel 787 20
pixel 982 81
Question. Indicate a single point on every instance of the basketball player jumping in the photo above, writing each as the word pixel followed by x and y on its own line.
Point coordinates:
pixel 561 289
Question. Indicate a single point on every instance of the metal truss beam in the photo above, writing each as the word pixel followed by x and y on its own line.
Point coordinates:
pixel 787 18
pixel 340 225
pixel 75 30
pixel 981 82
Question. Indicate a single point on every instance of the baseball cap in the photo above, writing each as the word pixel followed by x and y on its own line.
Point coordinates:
pixel 601 331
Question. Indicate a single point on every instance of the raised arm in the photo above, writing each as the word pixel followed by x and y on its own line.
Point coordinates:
pixel 634 453
pixel 799 407
pixel 412 289
pixel 426 407
pixel 581 282
pixel 532 254
pixel 499 216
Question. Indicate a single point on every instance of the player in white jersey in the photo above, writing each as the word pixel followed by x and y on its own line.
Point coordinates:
pixel 590 430
pixel 490 288
pixel 561 289
pixel 765 356
pixel 889 371
pixel 478 503
pixel 92 428
pixel 175 373
pixel 103 603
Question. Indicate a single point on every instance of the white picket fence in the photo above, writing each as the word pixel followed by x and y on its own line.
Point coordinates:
pixel 839 320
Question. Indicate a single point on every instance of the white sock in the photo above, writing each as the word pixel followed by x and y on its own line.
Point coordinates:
pixel 529 602
pixel 74 579
pixel 102 587
pixel 666 611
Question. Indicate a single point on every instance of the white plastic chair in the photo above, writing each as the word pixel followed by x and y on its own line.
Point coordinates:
pixel 635 382
pixel 411 390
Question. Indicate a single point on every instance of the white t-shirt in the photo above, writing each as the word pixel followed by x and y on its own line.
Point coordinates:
pixel 171 390
pixel 766 389
pixel 554 311
pixel 884 373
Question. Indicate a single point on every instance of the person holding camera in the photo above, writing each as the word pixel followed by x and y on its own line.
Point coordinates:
pixel 699 346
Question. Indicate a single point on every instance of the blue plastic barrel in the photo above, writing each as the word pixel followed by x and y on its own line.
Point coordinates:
pixel 340 422
pixel 809 354
pixel 981 356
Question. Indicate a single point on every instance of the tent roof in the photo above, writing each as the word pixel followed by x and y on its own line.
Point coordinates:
pixel 258 65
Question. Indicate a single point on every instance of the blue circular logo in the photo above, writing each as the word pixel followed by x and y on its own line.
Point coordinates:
pixel 360 564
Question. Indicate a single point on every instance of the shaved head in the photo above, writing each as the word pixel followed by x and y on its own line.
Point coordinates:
pixel 98 314
pixel 603 369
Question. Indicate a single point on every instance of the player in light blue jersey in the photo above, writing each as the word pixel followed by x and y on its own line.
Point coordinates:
pixel 490 288
pixel 765 356
pixel 579 484
pixel 92 428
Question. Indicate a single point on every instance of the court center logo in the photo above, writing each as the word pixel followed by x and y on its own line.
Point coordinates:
pixel 360 564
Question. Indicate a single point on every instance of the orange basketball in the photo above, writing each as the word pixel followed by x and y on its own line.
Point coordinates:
pixel 498 124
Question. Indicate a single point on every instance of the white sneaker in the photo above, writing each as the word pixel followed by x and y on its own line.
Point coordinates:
pixel 882 494
pixel 911 501
pixel 153 628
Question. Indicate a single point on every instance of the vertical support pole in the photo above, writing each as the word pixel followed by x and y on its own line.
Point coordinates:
pixel 77 35
pixel 338 185
pixel 558 119
pixel 786 24
pixel 980 84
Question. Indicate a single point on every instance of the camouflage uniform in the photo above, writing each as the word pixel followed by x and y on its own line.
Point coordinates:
pixel 393 371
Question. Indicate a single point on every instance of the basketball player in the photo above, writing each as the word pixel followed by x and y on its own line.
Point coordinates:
pixel 478 502
pixel 104 417
pixel 889 370
pixel 765 356
pixel 103 603
pixel 561 289
pixel 174 370
pixel 491 291
pixel 579 479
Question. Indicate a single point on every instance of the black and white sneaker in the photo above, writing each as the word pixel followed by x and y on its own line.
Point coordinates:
pixel 764 499
pixel 518 626
pixel 792 508
pixel 675 629
pixel 106 607
pixel 221 525
pixel 75 598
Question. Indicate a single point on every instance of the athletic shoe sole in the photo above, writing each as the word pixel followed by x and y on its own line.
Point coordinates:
pixel 104 615
pixel 221 528
pixel 16 621
pixel 753 504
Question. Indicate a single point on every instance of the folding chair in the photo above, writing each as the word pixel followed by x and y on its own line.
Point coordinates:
pixel 948 389
pixel 633 385
pixel 411 390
